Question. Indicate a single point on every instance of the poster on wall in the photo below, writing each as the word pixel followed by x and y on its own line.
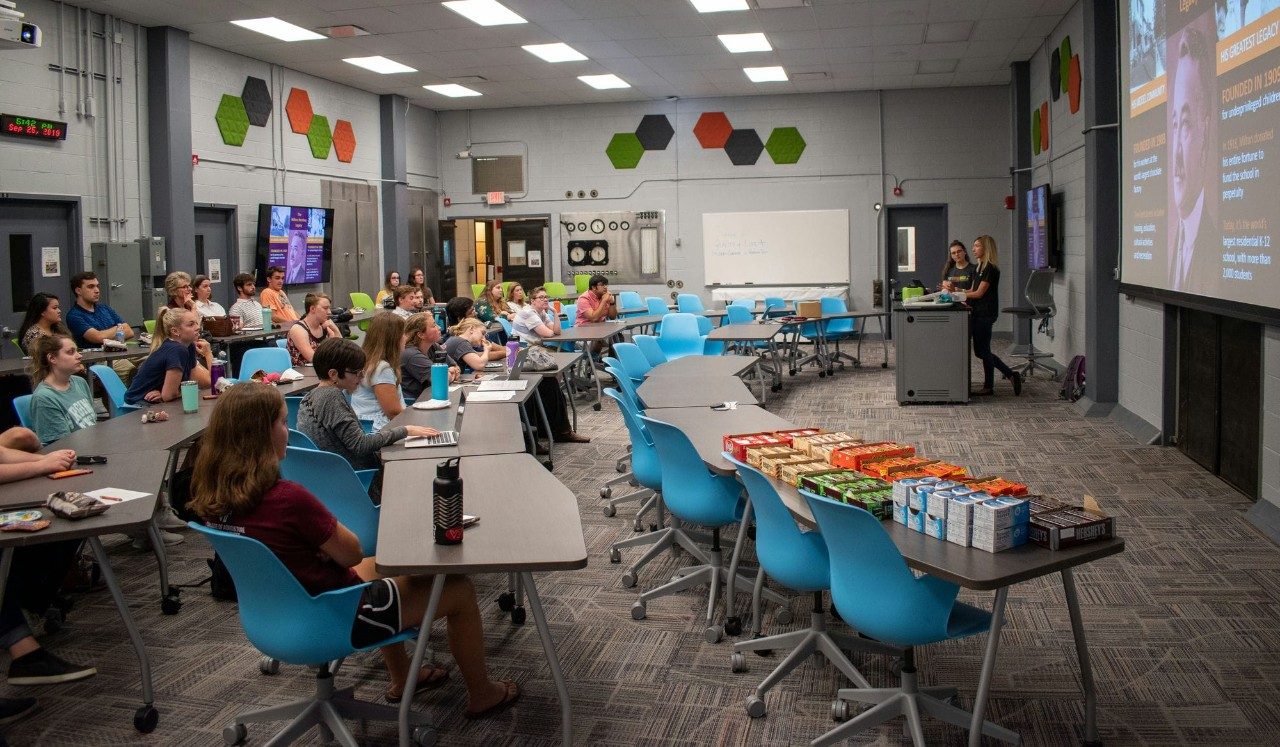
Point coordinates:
pixel 215 271
pixel 296 243
pixel 535 258
pixel 516 252
pixel 50 261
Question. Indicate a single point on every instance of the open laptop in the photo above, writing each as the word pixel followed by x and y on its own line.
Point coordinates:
pixel 513 382
pixel 446 438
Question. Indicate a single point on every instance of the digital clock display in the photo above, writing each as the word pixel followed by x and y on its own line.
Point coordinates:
pixel 18 125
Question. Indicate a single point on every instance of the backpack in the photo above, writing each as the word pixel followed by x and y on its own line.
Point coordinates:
pixel 1073 380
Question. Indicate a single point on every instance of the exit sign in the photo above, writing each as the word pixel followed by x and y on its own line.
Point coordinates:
pixel 34 128
pixel 496 198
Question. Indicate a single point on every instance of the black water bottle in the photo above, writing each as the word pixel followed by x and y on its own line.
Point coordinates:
pixel 447 503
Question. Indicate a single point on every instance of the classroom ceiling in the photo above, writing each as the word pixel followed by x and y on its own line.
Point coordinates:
pixel 662 48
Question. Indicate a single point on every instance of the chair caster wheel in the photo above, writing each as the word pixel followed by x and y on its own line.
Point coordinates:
pixel 145 719
pixel 751 532
pixel 517 616
pixel 596 407
pixel 839 710
pixel 783 617
pixel 653 527
pixel 637 609
pixel 738 662
pixel 235 734
pixel 762 652
pixel 884 365
pixel 170 604
pixel 610 511
pixel 506 601
pixel 755 707
pixel 268 666
pixel 606 493
pixel 614 556
pixel 629 582
pixel 822 374
pixel 424 736
pixel 713 634
pixel 733 625
pixel 620 466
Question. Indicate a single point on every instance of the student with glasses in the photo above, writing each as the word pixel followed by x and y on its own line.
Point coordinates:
pixel 533 324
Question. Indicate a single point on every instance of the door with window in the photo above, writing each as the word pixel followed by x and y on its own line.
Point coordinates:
pixel 217 250
pixel 917 247
pixel 39 251
pixel 523 258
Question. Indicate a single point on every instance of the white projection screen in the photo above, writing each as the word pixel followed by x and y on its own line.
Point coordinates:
pixel 1200 161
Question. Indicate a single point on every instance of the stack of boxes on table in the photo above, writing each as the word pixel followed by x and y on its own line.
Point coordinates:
pixel 930 496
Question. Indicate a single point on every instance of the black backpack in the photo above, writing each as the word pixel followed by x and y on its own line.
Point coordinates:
pixel 1073 380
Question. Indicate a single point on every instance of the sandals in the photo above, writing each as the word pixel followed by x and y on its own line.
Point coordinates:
pixel 509 699
pixel 434 677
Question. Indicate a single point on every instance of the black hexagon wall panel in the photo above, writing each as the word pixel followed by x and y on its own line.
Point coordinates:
pixel 743 147
pixel 655 132
pixel 257 101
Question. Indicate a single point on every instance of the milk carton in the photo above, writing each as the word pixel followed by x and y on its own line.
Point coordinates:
pixel 1001 513
pixel 1000 539
pixel 915 519
pixel 935 515
pixel 960 517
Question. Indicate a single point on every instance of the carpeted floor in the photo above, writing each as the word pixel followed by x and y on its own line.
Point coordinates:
pixel 1184 627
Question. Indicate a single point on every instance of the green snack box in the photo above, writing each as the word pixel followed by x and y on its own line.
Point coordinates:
pixel 816 481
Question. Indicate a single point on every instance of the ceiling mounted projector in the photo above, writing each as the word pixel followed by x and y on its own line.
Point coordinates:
pixel 14 34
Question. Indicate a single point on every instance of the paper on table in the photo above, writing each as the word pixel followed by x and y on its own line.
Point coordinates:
pixel 290 375
pixel 519 385
pixel 491 396
pixel 111 496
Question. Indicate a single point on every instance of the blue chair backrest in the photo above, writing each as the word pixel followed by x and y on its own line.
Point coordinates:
pixel 689 489
pixel 871 585
pixel 834 305
pixel 298 438
pixel 114 388
pixel 747 303
pixel 774 302
pixel 704 324
pixel 648 345
pixel 332 479
pixel 630 300
pixel 506 326
pixel 570 310
pixel 736 314
pixel 624 382
pixel 22 406
pixel 632 360
pixel 793 558
pixel 279 617
pixel 681 336
pixel 655 305
pixel 689 303
pixel 283 343
pixel 644 458
pixel 291 408
pixel 271 360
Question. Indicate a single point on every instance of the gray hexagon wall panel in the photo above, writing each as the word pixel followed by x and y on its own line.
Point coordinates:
pixel 257 101
pixel 743 147
pixel 655 132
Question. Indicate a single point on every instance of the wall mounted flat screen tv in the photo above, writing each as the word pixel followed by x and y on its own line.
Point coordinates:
pixel 299 239
pixel 1041 235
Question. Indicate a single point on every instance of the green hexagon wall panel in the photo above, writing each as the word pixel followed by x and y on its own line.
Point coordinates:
pixel 232 119
pixel 785 145
pixel 624 150
pixel 319 137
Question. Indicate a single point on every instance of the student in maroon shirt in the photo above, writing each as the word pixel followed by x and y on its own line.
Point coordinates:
pixel 236 487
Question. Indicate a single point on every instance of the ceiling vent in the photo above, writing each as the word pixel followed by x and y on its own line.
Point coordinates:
pixel 345 31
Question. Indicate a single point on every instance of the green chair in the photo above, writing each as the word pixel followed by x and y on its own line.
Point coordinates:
pixel 580 283
pixel 149 325
pixel 555 289
pixel 363 302
pixel 477 289
pixel 506 287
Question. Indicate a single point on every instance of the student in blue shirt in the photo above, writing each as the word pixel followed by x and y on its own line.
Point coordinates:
pixel 92 322
pixel 173 359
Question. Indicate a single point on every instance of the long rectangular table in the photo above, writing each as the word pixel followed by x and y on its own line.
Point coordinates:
pixel 755 333
pixel 708 366
pixel 701 391
pixel 16 364
pixel 596 332
pixel 483 429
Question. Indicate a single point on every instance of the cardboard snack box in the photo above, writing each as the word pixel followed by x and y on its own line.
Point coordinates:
pixel 806 443
pixel 1042 503
pixel 772 465
pixel 794 433
pixel 816 482
pixel 998 486
pixel 825 449
pixel 1000 540
pixel 1068 527
pixel 944 470
pixel 841 490
pixel 737 444
pixel 791 473
pixel 1001 513
pixel 885 469
pixel 879 503
pixel 960 518
pixel 856 456
pixel 755 455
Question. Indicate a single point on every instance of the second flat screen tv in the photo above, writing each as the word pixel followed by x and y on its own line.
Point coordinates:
pixel 1041 236
pixel 299 239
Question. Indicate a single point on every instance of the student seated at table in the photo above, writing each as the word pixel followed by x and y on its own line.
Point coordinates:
pixel 236 487
pixel 466 345
pixel 460 308
pixel 44 317
pixel 515 300
pixel 205 305
pixel 90 321
pixel 379 397
pixel 490 306
pixel 408 301
pixel 61 402
pixel 34 579
pixel 422 349
pixel 537 321
pixel 313 328
pixel 273 297
pixel 246 306
pixel 326 417
pixel 388 289
pixel 596 304
pixel 417 278
pixel 177 355
pixel 178 286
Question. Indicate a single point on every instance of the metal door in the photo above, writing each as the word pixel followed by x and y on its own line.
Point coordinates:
pixel 523 252
pixel 444 266
pixel 368 258
pixel 217 250
pixel 345 271
pixel 30 230
pixel 424 234
pixel 916 246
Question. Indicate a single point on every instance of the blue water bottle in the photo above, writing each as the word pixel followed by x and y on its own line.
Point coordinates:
pixel 439 381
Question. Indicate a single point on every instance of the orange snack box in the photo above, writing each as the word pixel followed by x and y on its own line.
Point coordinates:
pixel 737 444
pixel 883 468
pixel 855 456
pixel 998 486
pixel 825 450
pixel 944 471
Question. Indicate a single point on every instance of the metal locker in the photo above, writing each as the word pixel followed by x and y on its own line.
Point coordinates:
pixel 118 267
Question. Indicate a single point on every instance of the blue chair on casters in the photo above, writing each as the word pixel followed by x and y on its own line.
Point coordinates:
pixel 632 361
pixel 649 481
pixel 648 345
pixel 839 329
pixel 339 488
pixel 299 439
pixel 114 387
pixel 287 624
pixel 630 300
pixel 799 561
pixel 877 594
pixel 291 408
pixel 681 336
pixel 689 303
pixel 270 360
pixel 22 406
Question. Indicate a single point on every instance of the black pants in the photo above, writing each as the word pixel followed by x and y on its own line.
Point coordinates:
pixel 981 330
pixel 557 408
pixel 34 581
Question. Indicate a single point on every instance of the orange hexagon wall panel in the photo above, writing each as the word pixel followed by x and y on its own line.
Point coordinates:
pixel 712 129
pixel 298 108
pixel 344 140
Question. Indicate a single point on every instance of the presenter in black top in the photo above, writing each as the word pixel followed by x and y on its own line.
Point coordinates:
pixel 984 300
pixel 957 274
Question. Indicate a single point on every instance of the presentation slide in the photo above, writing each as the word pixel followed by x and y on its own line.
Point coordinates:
pixel 296 243
pixel 1038 208
pixel 1200 164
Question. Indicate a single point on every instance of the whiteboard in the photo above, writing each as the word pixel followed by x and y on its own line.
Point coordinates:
pixel 790 247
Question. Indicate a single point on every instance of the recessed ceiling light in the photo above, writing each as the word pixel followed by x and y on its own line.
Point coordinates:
pixel 765 74
pixel 278 29
pixel 380 64
pixel 558 52
pixel 484 12
pixel 745 43
pixel 717 6
pixel 604 81
pixel 452 90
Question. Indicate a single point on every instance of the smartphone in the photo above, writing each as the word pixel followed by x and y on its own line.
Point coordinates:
pixel 85 459
pixel 70 473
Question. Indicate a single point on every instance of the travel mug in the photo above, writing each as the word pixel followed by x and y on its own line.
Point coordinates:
pixel 216 371
pixel 446 500
pixel 266 319
pixel 439 381
pixel 190 396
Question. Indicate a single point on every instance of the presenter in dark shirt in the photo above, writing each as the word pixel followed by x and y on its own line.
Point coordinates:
pixel 957 274
pixel 984 300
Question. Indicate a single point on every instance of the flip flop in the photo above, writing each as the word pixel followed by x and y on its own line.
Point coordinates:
pixel 513 694
pixel 437 677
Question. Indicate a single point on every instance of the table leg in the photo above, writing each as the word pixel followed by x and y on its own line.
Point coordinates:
pixel 595 380
pixel 884 341
pixel 546 425
pixel 988 667
pixel 6 562
pixel 568 395
pixel 549 648
pixel 1082 653
pixel 419 649
pixel 734 558
pixel 109 576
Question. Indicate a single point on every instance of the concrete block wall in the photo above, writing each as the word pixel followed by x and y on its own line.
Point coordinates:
pixel 1142 359
pixel 422 147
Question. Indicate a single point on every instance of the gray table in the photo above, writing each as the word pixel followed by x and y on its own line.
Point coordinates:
pixel 680 391
pixel 542 514
pixel 597 332
pixel 706 428
pixel 709 366
pixel 16 364
pixel 483 430
pixel 756 332
pixel 821 352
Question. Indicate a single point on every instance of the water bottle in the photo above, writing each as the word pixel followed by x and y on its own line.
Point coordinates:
pixel 513 347
pixel 446 491
pixel 439 381
pixel 217 370
pixel 119 334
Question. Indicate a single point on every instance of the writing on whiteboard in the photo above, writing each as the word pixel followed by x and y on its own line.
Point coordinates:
pixel 736 246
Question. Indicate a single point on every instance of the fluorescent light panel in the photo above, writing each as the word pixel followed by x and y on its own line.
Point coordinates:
pixel 278 29
pixel 602 82
pixel 484 12
pixel 379 64
pixel 765 74
pixel 558 52
pixel 718 6
pixel 452 90
pixel 745 43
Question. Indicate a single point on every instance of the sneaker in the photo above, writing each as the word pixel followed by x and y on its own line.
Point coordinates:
pixel 169 538
pixel 1017 384
pixel 170 520
pixel 40 667
pixel 12 709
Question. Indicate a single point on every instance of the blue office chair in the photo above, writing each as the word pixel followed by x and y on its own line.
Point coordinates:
pixel 291 408
pixel 739 314
pixel 299 439
pixel 655 305
pixel 839 329
pixel 632 361
pixel 22 406
pixel 709 347
pixel 287 624
pixel 506 327
pixel 648 475
pixel 627 386
pixel 747 303
pixel 774 306
pixel 334 482
pixel 797 560
pixel 877 594
pixel 283 343
pixel 648 345
pixel 689 303
pixel 631 300
pixel 645 491
pixel 114 387
pixel 681 336
pixel 694 496
pixel 270 360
